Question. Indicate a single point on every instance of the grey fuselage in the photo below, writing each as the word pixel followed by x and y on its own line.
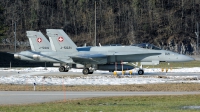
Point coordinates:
pixel 108 54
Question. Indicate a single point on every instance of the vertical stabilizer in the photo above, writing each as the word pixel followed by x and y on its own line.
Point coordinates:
pixel 60 41
pixel 38 41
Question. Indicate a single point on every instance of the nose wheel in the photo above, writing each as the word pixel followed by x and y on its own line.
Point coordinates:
pixel 140 72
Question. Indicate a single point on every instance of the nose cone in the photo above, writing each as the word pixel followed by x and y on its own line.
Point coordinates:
pixel 184 58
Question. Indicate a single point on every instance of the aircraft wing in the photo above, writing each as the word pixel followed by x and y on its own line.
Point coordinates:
pixel 89 58
pixel 84 60
pixel 102 58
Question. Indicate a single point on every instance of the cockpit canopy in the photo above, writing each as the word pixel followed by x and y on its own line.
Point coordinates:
pixel 147 46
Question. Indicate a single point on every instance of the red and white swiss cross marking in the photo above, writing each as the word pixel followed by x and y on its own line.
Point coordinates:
pixel 39 40
pixel 60 39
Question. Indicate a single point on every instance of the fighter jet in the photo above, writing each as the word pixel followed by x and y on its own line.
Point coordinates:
pixel 64 51
pixel 104 57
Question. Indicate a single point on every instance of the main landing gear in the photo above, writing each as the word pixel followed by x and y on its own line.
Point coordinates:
pixel 63 69
pixel 87 71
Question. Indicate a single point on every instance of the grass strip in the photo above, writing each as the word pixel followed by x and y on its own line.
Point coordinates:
pixel 134 87
pixel 170 103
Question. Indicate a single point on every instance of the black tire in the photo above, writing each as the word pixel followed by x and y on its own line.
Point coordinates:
pixel 62 69
pixel 140 72
pixel 85 71
pixel 66 70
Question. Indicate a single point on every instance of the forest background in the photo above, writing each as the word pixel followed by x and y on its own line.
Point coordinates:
pixel 169 24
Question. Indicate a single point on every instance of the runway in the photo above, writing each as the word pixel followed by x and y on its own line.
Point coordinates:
pixel 28 97
pixel 96 73
pixel 111 73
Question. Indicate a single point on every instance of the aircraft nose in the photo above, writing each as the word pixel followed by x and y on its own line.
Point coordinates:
pixel 185 58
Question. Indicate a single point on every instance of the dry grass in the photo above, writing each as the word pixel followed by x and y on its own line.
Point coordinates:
pixel 135 87
pixel 166 103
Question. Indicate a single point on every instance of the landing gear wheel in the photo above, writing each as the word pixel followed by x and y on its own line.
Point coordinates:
pixel 66 70
pixel 62 69
pixel 85 71
pixel 140 72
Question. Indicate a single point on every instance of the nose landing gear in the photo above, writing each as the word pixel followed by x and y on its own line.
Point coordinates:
pixel 140 72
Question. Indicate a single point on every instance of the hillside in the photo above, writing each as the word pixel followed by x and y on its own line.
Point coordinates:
pixel 169 24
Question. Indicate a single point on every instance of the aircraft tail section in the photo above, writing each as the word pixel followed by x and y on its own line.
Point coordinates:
pixel 38 41
pixel 60 41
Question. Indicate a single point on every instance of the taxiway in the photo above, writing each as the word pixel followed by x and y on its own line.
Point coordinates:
pixel 28 97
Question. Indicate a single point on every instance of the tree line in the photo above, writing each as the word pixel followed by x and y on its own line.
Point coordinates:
pixel 169 24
